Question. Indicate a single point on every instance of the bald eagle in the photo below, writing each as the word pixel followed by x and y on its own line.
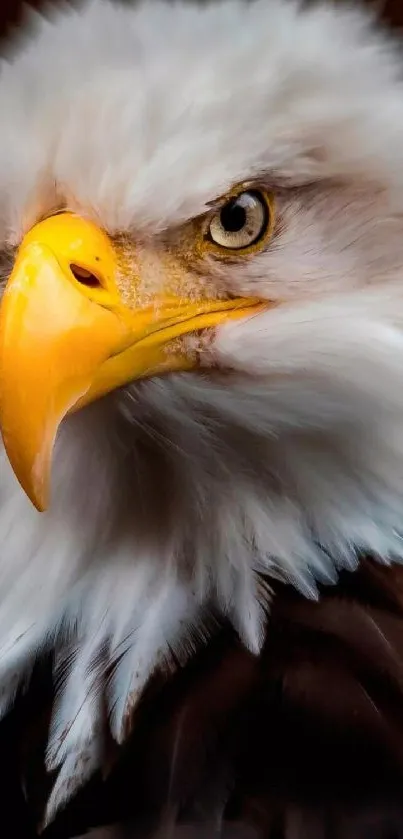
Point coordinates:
pixel 201 378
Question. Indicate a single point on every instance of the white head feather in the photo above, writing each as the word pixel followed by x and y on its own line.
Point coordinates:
pixel 170 496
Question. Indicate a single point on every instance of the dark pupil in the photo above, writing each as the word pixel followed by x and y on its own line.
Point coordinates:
pixel 233 216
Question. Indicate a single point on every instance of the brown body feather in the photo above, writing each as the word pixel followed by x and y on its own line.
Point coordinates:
pixel 304 742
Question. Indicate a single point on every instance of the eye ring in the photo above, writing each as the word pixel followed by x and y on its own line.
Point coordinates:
pixel 242 224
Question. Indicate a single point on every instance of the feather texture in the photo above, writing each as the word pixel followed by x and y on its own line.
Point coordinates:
pixel 306 740
pixel 179 502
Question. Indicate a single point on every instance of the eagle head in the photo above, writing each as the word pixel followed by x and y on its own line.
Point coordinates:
pixel 201 335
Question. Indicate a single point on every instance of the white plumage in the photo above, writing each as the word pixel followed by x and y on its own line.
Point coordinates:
pixel 286 456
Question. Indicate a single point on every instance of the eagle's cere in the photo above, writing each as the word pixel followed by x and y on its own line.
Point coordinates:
pixel 204 205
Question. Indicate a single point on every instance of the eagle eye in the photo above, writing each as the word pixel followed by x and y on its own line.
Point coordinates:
pixel 243 222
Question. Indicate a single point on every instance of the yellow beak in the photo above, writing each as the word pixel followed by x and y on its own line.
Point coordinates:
pixel 67 338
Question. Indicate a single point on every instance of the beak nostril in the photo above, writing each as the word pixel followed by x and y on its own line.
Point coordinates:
pixel 85 277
